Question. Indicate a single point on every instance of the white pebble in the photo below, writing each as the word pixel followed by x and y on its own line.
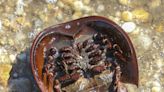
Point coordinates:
pixel 12 57
pixel 124 2
pixel 51 1
pixel 156 84
pixel 2 89
pixel 129 26
pixel 15 75
pixel 160 62
pixel 20 36
pixel 78 5
pixel 144 40
pixel 118 14
pixel 155 89
pixel 20 7
pixel 100 8
pixel 60 4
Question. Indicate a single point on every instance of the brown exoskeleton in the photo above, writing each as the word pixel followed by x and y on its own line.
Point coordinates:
pixel 92 54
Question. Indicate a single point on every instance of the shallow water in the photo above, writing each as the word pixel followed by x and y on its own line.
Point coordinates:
pixel 21 20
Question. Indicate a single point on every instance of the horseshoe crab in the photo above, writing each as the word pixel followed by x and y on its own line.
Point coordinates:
pixel 88 54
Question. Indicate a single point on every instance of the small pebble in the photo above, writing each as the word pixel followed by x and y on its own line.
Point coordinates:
pixel 140 15
pixel 20 7
pixel 118 14
pixel 160 27
pixel 51 1
pixel 129 26
pixel 156 76
pixel 161 53
pixel 160 62
pixel 59 15
pixel 2 88
pixel 4 58
pixel 126 16
pixel 6 22
pixel 155 89
pixel 124 2
pixel 21 20
pixel 10 42
pixel 15 75
pixel 156 84
pixel 136 31
pixel 86 1
pixel 100 8
pixel 77 15
pixel 117 20
pixel 87 9
pixel 60 4
pixel 12 57
pixel 19 37
pixel 78 5
pixel 145 41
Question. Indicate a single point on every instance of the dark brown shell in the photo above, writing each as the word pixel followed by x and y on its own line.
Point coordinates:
pixel 80 29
